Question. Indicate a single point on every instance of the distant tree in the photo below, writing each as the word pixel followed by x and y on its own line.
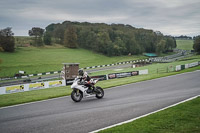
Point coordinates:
pixel 196 45
pixel 70 37
pixel 160 47
pixel 47 38
pixel 121 48
pixel 133 47
pixel 37 33
pixel 184 37
pixel 103 41
pixel 7 40
pixel 59 32
pixel 170 44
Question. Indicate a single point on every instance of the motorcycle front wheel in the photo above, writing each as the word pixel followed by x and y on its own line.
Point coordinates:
pixel 76 95
pixel 99 92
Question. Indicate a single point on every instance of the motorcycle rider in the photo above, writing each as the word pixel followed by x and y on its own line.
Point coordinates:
pixel 85 79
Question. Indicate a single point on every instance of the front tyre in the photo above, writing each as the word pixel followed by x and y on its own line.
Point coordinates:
pixel 76 95
pixel 99 92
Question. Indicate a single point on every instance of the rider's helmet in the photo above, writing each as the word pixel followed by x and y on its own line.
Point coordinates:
pixel 80 72
pixel 85 74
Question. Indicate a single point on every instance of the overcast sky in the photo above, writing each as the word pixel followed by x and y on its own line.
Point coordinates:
pixel 171 17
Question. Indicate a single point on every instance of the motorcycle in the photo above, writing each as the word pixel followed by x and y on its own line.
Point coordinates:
pixel 80 90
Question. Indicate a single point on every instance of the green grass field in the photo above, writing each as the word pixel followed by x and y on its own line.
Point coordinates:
pixel 50 58
pixel 185 44
pixel 36 60
pixel 184 118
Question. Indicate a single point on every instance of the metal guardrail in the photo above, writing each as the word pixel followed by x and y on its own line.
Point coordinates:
pixel 58 83
pixel 86 68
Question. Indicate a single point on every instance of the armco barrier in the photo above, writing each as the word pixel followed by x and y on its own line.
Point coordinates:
pixel 100 77
pixel 57 83
pixel 122 75
pixel 119 63
pixel 92 67
pixel 32 86
pixel 127 74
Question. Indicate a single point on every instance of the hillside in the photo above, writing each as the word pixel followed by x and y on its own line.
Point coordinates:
pixel 44 59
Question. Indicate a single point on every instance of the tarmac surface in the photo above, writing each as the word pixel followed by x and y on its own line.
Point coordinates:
pixel 62 115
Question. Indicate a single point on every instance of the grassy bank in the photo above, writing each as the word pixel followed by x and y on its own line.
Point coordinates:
pixel 37 60
pixel 184 118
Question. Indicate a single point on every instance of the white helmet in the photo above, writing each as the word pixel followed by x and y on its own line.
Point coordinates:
pixel 85 74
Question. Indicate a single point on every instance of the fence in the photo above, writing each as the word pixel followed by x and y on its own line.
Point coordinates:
pixel 165 69
pixel 177 67
pixel 57 83
pixel 30 75
pixel 185 66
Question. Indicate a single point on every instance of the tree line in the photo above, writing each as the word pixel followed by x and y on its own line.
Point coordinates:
pixel 182 37
pixel 110 40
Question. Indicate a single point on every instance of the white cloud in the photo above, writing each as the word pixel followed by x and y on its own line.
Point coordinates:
pixel 175 17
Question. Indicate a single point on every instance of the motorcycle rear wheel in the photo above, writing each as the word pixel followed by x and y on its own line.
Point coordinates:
pixel 76 95
pixel 99 93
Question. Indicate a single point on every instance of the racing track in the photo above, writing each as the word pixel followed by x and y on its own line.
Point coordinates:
pixel 55 76
pixel 121 103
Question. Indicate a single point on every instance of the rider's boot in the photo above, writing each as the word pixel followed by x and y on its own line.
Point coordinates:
pixel 89 90
pixel 94 89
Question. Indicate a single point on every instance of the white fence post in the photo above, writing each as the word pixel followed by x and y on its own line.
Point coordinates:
pixel 2 90
pixel 141 72
pixel 26 87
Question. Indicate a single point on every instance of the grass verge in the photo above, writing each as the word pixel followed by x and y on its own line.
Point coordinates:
pixel 183 118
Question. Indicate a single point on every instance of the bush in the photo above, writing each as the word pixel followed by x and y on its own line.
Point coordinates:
pixel 7 41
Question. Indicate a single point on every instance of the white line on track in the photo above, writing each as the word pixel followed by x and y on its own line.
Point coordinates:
pixel 144 115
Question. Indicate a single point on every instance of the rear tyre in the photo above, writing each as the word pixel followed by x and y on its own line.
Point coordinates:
pixel 76 95
pixel 99 92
